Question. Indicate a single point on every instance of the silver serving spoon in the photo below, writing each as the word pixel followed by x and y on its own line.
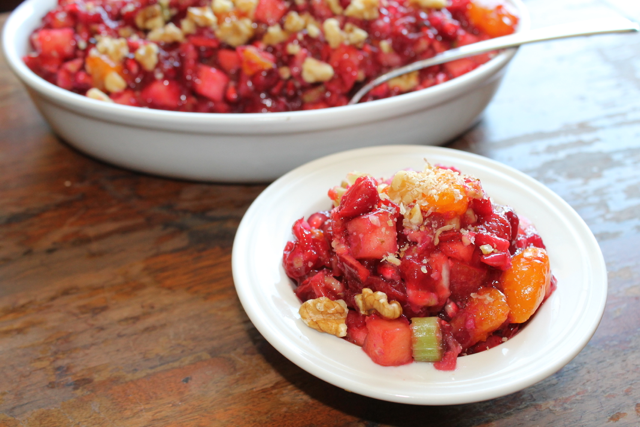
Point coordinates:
pixel 583 28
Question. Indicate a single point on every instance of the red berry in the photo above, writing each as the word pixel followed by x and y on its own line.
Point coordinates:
pixel 322 284
pixel 360 198
pixel 356 328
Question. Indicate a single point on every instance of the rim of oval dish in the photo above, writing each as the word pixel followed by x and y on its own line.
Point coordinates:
pixel 317 119
pixel 559 330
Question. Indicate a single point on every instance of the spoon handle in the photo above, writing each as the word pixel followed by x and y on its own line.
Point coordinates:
pixel 574 29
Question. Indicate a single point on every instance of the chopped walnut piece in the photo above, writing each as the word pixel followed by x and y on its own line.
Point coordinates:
pixel 335 36
pixel 113 82
pixel 294 22
pixel 415 216
pixel 235 32
pixel 274 35
pixel 429 4
pixel 247 7
pixel 285 73
pixel 188 26
pixel 222 6
pixel 363 9
pixel 167 12
pixel 314 71
pixel 385 46
pixel 486 249
pixel 167 34
pixel 115 49
pixel 325 315
pixel 97 94
pixel 439 231
pixel 129 7
pixel 392 259
pixel 332 32
pixel 293 48
pixel 150 18
pixel 147 56
pixel 335 7
pixel 202 16
pixel 126 32
pixel 405 82
pixel 368 301
pixel 313 30
pixel 355 36
pixel 309 19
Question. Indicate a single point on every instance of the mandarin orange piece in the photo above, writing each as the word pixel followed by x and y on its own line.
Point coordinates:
pixel 494 19
pixel 485 312
pixel 452 200
pixel 99 66
pixel 254 60
pixel 436 190
pixel 526 283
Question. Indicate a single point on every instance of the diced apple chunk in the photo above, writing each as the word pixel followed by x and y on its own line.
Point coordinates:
pixel 372 235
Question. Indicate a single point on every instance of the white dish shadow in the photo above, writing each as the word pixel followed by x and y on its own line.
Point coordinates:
pixel 559 331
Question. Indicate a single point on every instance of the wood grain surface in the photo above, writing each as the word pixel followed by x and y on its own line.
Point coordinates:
pixel 117 304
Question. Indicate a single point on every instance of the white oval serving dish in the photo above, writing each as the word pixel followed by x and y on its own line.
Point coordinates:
pixel 246 147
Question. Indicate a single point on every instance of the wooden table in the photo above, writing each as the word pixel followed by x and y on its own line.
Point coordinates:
pixel 117 304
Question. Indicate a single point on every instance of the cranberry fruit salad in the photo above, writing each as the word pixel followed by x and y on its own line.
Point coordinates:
pixel 235 56
pixel 423 266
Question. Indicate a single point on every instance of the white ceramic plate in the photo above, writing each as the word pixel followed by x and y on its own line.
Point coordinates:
pixel 560 329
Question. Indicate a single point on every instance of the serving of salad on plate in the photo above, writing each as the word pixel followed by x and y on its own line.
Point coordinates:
pixel 422 266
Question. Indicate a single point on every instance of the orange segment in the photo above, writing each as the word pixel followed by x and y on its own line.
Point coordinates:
pixel 449 200
pixel 492 17
pixel 254 60
pixel 436 190
pixel 485 312
pixel 99 66
pixel 526 283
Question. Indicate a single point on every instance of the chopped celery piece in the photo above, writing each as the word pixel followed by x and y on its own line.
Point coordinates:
pixel 426 338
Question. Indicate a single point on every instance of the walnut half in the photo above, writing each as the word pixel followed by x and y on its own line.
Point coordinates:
pixel 325 315
pixel 368 301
